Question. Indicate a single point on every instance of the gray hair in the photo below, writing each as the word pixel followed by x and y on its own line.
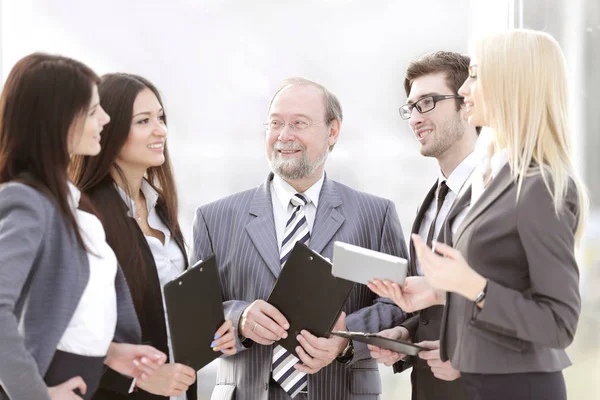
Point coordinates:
pixel 333 108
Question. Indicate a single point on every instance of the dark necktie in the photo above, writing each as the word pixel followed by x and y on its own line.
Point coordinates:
pixel 442 192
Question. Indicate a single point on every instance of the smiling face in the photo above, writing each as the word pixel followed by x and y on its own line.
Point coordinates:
pixel 84 136
pixel 471 91
pixel 300 154
pixel 145 143
pixel 436 130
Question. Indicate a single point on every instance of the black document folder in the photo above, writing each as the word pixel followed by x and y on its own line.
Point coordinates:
pixel 374 339
pixel 195 312
pixel 308 295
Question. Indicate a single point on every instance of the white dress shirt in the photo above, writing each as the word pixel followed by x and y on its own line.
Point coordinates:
pixel 168 257
pixel 477 182
pixel 457 183
pixel 281 194
pixel 92 327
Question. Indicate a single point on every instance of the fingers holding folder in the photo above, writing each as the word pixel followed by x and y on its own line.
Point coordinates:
pixel 224 339
pixel 318 352
pixel 262 323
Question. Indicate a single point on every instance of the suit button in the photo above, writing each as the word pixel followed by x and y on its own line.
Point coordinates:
pixel 267 386
pixel 424 321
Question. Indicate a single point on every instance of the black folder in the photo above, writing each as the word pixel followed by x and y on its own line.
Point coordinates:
pixel 374 339
pixel 195 312
pixel 308 295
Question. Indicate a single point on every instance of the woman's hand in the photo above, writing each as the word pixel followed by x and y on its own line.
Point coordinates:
pixel 448 271
pixel 168 380
pixel 225 339
pixel 416 293
pixel 65 391
pixel 136 361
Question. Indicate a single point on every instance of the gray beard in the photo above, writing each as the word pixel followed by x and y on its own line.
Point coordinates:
pixel 296 168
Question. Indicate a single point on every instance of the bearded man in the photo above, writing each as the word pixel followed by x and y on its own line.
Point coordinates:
pixel 251 234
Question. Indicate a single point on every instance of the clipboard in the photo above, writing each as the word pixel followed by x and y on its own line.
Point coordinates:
pixel 362 265
pixel 194 305
pixel 374 339
pixel 308 295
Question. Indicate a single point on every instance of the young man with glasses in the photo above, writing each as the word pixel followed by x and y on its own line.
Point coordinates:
pixel 251 234
pixel 436 115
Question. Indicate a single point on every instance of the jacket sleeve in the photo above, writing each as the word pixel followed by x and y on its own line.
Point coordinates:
pixel 548 313
pixel 202 248
pixel 23 224
pixel 384 313
pixel 411 324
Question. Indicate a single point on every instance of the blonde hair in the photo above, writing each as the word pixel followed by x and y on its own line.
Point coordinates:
pixel 523 78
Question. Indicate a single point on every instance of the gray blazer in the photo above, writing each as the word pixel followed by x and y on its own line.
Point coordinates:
pixel 43 273
pixel 532 306
pixel 240 231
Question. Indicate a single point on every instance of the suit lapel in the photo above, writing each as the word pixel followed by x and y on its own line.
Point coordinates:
pixel 416 227
pixel 328 219
pixel 498 186
pixel 261 228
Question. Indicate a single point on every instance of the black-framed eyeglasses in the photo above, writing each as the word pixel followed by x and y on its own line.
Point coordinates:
pixel 425 104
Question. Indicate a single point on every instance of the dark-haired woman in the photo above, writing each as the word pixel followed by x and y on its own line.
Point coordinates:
pixel 131 186
pixel 63 299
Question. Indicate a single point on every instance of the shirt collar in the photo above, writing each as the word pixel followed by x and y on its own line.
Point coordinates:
pixel 498 161
pixel 150 194
pixel 75 195
pixel 460 174
pixel 284 191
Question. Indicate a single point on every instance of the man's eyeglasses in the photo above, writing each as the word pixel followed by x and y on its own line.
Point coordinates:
pixel 425 104
pixel 276 125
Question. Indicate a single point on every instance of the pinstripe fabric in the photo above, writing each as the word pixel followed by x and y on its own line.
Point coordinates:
pixel 240 231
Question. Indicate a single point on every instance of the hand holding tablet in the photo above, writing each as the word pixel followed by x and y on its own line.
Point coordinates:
pixel 362 265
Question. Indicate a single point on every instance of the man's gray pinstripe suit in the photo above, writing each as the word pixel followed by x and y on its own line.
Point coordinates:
pixel 240 231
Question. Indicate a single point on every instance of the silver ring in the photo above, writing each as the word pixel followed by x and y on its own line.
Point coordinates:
pixel 255 325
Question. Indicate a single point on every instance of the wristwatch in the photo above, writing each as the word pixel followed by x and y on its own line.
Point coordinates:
pixel 481 295
pixel 347 354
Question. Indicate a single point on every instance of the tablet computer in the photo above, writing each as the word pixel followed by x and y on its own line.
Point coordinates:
pixel 374 339
pixel 362 265
pixel 195 311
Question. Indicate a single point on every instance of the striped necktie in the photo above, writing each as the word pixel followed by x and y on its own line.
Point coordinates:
pixel 284 373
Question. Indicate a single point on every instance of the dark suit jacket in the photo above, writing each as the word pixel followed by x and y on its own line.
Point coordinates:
pixel 152 318
pixel 240 231
pixel 526 251
pixel 425 325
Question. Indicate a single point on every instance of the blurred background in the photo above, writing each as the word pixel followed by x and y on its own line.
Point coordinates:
pixel 217 62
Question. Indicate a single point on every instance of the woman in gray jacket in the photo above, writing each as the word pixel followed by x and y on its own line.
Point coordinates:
pixel 63 300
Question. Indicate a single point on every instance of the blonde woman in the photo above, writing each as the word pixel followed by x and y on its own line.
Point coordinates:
pixel 510 281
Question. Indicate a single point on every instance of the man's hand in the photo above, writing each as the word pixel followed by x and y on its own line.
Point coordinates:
pixel 136 361
pixel 317 353
pixel 415 295
pixel 168 380
pixel 263 323
pixel 389 357
pixel 65 391
pixel 441 370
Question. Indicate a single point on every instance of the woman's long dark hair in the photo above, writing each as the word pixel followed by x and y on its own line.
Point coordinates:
pixel 93 177
pixel 43 98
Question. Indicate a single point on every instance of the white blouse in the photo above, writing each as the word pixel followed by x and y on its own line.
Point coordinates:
pixel 168 257
pixel 495 163
pixel 92 327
